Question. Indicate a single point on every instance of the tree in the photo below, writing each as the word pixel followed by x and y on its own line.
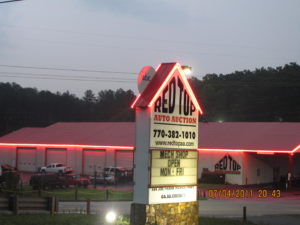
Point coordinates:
pixel 89 96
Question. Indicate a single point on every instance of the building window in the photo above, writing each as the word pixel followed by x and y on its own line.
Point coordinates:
pixel 205 170
pixel 258 172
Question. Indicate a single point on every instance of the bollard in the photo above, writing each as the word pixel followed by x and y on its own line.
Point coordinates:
pixel 106 194
pixel 88 206
pixel 95 179
pixel 15 204
pixel 76 192
pixel 56 205
pixel 52 205
pixel 244 214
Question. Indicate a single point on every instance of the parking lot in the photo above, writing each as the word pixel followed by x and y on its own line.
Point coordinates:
pixel 122 186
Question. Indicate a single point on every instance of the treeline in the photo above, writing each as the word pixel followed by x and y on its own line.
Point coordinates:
pixel 27 107
pixel 266 94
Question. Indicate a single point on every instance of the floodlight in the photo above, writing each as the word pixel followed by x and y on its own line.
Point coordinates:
pixel 187 70
pixel 111 217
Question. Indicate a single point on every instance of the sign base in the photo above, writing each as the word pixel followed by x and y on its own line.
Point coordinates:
pixel 184 213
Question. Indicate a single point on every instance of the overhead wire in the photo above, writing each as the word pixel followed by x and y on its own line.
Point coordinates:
pixel 70 79
pixel 67 69
pixel 9 1
pixel 66 76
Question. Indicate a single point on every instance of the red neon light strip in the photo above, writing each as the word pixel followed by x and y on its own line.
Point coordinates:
pixel 137 98
pixel 265 153
pixel 132 148
pixel 157 68
pixel 296 149
pixel 191 93
pixel 66 146
pixel 177 66
pixel 244 150
pixel 162 86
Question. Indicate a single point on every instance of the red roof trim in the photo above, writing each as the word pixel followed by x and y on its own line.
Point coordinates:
pixel 135 100
pixel 132 148
pixel 65 146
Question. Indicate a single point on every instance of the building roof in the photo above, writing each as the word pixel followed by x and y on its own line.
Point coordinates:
pixel 227 136
pixel 79 133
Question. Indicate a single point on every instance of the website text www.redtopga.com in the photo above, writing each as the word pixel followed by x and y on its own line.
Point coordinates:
pixel 175 143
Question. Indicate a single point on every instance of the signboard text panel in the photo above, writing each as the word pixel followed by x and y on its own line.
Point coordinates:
pixel 173 167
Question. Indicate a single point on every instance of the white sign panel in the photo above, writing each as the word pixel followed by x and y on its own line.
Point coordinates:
pixel 174 118
pixel 172 194
pixel 173 167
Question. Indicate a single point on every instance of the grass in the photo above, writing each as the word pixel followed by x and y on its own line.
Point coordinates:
pixel 82 194
pixel 92 194
pixel 72 219
pixel 80 219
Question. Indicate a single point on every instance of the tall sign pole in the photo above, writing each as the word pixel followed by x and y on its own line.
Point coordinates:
pixel 166 157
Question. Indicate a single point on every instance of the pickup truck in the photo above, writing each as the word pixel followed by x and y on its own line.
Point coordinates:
pixel 47 181
pixel 113 175
pixel 56 168
pixel 9 176
pixel 76 179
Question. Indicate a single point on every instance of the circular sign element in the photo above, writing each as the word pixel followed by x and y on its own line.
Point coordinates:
pixel 145 77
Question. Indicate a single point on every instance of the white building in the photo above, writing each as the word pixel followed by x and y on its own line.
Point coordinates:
pixel 248 153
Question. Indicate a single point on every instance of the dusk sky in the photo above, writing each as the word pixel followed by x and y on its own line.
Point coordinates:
pixel 213 36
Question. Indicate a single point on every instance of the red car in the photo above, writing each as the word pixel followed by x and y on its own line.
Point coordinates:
pixel 76 179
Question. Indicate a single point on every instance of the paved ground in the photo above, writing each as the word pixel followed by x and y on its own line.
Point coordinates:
pixel 258 210
pixel 234 208
pixel 25 176
pixel 271 211
pixel 276 219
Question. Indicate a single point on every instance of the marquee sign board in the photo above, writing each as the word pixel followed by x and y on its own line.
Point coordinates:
pixel 166 139
pixel 174 117
pixel 173 167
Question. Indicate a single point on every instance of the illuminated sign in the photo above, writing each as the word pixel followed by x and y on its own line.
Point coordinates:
pixel 173 167
pixel 167 111
pixel 161 195
pixel 174 117
pixel 227 163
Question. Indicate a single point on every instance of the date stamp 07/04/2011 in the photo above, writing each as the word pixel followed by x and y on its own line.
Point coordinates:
pixel 243 193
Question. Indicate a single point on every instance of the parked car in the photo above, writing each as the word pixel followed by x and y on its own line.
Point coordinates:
pixel 47 181
pixel 296 181
pixel 9 175
pixel 115 175
pixel 212 177
pixel 56 168
pixel 76 179
pixel 6 167
pixel 98 180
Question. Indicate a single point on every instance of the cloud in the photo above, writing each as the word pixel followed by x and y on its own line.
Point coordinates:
pixel 156 11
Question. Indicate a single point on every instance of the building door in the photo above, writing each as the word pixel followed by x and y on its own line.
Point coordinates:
pixel 56 155
pixel 276 174
pixel 26 159
pixel 124 159
pixel 93 160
